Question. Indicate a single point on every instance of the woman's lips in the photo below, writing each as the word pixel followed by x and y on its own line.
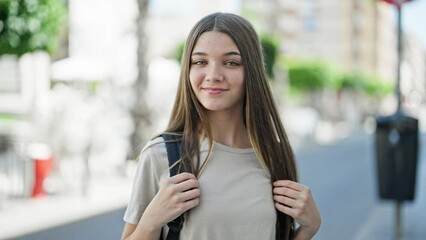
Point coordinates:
pixel 214 90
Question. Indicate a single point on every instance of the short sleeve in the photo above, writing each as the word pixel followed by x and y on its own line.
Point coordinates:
pixel 152 169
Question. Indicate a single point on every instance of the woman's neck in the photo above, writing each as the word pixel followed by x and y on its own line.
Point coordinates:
pixel 229 129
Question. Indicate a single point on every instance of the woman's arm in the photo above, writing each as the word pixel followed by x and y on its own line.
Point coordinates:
pixel 301 234
pixel 295 200
pixel 176 195
pixel 131 231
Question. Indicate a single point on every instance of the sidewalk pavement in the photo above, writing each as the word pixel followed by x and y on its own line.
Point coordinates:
pixel 24 216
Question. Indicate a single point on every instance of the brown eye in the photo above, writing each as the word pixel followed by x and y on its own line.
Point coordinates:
pixel 232 63
pixel 199 62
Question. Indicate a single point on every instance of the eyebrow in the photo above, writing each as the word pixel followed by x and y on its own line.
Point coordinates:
pixel 226 54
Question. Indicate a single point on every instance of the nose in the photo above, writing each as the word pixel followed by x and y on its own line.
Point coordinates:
pixel 214 72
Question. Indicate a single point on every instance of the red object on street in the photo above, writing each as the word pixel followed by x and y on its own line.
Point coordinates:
pixel 42 169
pixel 42 156
pixel 397 3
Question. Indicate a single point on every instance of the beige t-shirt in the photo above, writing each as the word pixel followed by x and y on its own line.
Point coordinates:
pixel 236 194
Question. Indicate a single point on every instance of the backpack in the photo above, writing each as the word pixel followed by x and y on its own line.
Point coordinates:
pixel 173 155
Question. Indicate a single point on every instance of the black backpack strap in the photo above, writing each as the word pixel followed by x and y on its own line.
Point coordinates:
pixel 282 222
pixel 173 154
pixel 280 226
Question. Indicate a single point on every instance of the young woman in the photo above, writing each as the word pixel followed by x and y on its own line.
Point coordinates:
pixel 238 173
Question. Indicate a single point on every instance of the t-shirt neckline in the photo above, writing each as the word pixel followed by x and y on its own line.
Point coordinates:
pixel 232 149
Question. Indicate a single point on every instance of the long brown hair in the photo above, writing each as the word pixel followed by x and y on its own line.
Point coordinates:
pixel 265 129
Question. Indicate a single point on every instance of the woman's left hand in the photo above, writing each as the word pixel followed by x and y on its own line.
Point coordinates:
pixel 295 200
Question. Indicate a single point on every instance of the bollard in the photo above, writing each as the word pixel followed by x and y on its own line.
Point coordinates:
pixel 42 156
pixel 42 169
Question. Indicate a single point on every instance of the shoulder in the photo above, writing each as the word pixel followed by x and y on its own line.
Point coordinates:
pixel 153 158
pixel 154 146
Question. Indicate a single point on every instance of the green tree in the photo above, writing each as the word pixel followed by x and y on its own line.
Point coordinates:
pixel 179 51
pixel 270 52
pixel 30 25
pixel 368 84
pixel 309 75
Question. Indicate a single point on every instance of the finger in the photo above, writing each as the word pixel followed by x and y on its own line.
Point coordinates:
pixel 290 184
pixel 292 212
pixel 182 207
pixel 290 202
pixel 187 185
pixel 285 191
pixel 191 194
pixel 181 177
pixel 191 204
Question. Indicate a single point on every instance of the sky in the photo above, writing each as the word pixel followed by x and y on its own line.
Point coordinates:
pixel 414 19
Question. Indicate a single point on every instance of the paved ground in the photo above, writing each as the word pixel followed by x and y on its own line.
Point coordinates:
pixel 106 226
pixel 342 176
pixel 23 217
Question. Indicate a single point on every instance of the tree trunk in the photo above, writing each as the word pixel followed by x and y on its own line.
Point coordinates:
pixel 140 111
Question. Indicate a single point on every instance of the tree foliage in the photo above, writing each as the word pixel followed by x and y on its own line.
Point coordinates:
pixel 369 84
pixel 309 75
pixel 270 53
pixel 30 25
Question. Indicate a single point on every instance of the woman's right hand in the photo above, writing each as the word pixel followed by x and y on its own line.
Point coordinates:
pixel 176 195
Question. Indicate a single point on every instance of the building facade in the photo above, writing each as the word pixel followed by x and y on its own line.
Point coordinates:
pixel 353 34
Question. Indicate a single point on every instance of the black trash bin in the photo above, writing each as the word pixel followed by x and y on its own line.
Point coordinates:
pixel 397 143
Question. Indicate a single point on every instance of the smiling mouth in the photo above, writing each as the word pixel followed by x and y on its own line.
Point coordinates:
pixel 214 90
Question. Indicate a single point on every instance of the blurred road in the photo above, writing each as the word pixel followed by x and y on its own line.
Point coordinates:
pixel 342 177
pixel 105 226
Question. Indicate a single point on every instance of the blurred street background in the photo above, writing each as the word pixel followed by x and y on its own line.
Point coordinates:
pixel 85 83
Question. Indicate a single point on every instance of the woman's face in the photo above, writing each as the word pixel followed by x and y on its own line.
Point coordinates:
pixel 217 73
